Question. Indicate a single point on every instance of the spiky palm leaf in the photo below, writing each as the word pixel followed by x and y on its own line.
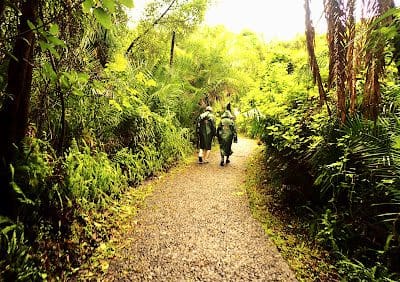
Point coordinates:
pixel 374 59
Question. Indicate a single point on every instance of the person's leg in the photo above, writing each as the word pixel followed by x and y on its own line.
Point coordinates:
pixel 201 153
pixel 206 155
pixel 222 159
pixel 230 150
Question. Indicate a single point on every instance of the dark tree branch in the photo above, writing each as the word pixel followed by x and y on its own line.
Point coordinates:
pixel 171 56
pixel 51 20
pixel 152 25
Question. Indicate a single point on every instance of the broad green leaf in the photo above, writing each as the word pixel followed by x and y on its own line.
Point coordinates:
pixel 78 92
pixel 49 72
pixel 43 45
pixel 56 41
pixel 83 77
pixel 103 17
pixel 53 51
pixel 54 29
pixel 87 5
pixel 31 25
pixel 109 5
pixel 127 3
pixel 64 81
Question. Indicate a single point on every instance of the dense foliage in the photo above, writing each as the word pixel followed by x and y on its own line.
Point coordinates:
pixel 96 108
pixel 99 122
pixel 343 178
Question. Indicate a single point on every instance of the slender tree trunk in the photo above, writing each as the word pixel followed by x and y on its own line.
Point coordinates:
pixel 335 16
pixel 62 135
pixel 14 113
pixel 2 7
pixel 310 38
pixel 171 56
pixel 340 70
pixel 330 39
pixel 352 65
pixel 375 62
pixel 60 94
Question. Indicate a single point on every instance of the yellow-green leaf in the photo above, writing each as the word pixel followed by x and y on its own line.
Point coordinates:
pixel 109 5
pixel 103 17
pixel 127 3
pixel 87 5
pixel 54 29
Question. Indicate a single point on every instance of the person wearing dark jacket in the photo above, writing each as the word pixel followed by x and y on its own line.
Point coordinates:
pixel 205 131
pixel 226 133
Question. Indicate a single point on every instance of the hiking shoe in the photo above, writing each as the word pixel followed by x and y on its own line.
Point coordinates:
pixel 228 161
pixel 200 160
pixel 221 163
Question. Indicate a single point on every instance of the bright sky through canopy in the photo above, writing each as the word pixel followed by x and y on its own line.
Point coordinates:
pixel 273 19
pixel 280 19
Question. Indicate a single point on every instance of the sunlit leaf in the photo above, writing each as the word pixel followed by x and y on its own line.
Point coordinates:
pixel 87 5
pixel 103 17
pixel 56 41
pixel 127 3
pixel 109 5
pixel 31 25
pixel 78 92
pixel 49 72
pixel 54 29
pixel 115 104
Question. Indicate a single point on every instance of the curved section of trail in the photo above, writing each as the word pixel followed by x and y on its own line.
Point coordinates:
pixel 197 226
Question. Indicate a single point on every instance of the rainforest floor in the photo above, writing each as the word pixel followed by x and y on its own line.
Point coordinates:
pixel 201 222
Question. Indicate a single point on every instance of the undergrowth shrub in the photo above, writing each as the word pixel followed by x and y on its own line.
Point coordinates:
pixel 16 262
pixel 91 178
pixel 343 179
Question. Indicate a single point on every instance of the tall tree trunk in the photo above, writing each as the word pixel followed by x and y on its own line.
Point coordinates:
pixel 2 7
pixel 330 39
pixel 171 56
pixel 375 61
pixel 14 113
pixel 310 38
pixel 335 16
pixel 351 59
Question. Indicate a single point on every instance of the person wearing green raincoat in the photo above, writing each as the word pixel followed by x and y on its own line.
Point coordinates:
pixel 205 132
pixel 226 133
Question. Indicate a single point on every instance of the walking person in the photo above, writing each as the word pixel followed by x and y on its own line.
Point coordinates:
pixel 205 131
pixel 226 133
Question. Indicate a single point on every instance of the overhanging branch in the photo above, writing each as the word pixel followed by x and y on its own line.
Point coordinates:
pixel 148 29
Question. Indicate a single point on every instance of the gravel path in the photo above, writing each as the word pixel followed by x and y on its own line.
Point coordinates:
pixel 197 226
